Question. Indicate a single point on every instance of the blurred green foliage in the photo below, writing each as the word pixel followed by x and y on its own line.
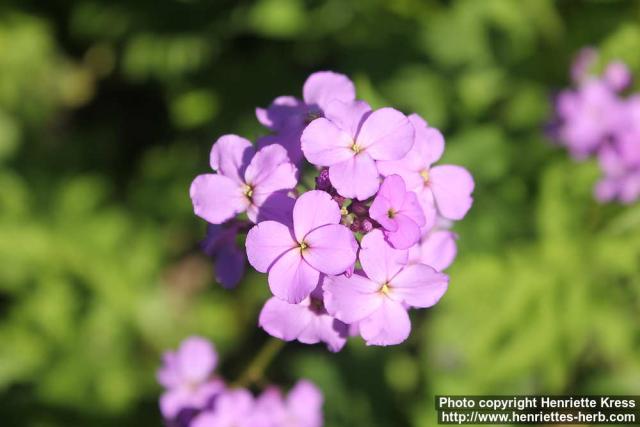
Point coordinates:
pixel 108 110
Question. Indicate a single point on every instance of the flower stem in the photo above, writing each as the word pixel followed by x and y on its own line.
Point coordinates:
pixel 254 373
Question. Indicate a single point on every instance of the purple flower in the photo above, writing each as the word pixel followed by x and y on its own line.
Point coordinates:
pixel 220 244
pixel 618 76
pixel 436 249
pixel 349 140
pixel 301 408
pixel 378 297
pixel 620 163
pixel 287 116
pixel 233 408
pixel 443 189
pixel 245 181
pixel 399 213
pixel 287 112
pixel 307 322
pixel 587 117
pixel 186 376
pixel 295 257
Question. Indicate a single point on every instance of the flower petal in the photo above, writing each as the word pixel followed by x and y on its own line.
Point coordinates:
pixel 406 234
pixel 325 144
pixel 428 143
pixel 355 177
pixel 283 320
pixel 270 170
pixel 438 250
pixel 347 116
pixel 266 242
pixel 277 207
pixel 379 260
pixel 452 187
pixel 386 134
pixel 284 112
pixel 314 209
pixel 196 359
pixel 217 198
pixel 331 249
pixel 324 328
pixel 304 403
pixel 230 156
pixel 324 86
pixel 388 325
pixel 351 299
pixel 418 285
pixel 291 278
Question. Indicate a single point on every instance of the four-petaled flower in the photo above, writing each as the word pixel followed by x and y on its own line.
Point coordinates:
pixel 377 298
pixel 349 140
pixel 246 180
pixel 398 212
pixel 296 257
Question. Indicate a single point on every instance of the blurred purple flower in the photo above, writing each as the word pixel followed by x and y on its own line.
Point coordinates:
pixel 220 244
pixel 186 376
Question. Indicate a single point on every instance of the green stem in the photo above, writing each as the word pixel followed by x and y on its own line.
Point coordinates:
pixel 254 373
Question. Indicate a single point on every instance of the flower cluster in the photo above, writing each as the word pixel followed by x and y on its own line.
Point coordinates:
pixel 355 253
pixel 194 397
pixel 596 118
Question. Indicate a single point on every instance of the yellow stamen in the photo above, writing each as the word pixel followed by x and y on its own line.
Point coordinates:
pixel 385 289
pixel 303 246
pixel 425 175
pixel 343 211
pixel 391 213
pixel 247 190
pixel 356 148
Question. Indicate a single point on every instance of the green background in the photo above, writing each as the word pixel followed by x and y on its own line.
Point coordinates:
pixel 108 109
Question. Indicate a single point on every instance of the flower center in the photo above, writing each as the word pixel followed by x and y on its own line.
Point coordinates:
pixel 247 190
pixel 356 148
pixel 385 289
pixel 391 213
pixel 425 175
pixel 303 246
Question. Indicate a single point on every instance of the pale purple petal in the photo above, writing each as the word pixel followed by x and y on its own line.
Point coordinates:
pixel 411 208
pixel 314 209
pixel 438 250
pixel 324 144
pixel 618 76
pixel 418 285
pixel 304 404
pixel 230 156
pixel 324 328
pixel 168 375
pixel 347 116
pixel 331 249
pixel 379 260
pixel 388 325
pixel 356 177
pixel 428 142
pixel 266 242
pixel 452 187
pixel 406 234
pixel 351 299
pixel 270 170
pixel 217 198
pixel 428 205
pixel 386 134
pixel 196 359
pixel 283 320
pixel 325 86
pixel 291 278
pixel 409 168
pixel 173 401
pixel 382 210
